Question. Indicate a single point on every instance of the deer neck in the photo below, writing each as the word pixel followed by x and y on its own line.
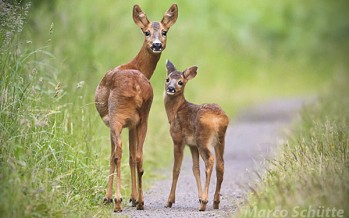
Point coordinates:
pixel 145 61
pixel 173 104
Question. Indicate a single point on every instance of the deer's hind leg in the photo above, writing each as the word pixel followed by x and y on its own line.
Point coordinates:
pixel 141 133
pixel 108 195
pixel 196 169
pixel 219 151
pixel 142 128
pixel 133 140
pixel 101 103
pixel 115 132
pixel 208 158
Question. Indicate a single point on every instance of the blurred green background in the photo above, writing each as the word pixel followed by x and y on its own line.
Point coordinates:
pixel 246 51
pixel 56 52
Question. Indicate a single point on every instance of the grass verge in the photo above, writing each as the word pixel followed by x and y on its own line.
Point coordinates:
pixel 310 176
pixel 46 165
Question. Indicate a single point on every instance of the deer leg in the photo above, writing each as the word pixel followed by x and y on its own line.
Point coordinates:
pixel 219 151
pixel 132 163
pixel 108 195
pixel 196 169
pixel 142 131
pixel 178 157
pixel 116 133
pixel 209 161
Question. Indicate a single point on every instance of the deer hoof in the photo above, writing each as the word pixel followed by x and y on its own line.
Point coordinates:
pixel 169 204
pixel 117 209
pixel 107 200
pixel 117 205
pixel 140 206
pixel 216 205
pixel 134 202
pixel 202 205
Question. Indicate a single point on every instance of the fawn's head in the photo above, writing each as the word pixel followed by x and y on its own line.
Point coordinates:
pixel 176 80
pixel 155 32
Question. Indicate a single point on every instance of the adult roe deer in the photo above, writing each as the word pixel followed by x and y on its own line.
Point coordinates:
pixel 123 99
pixel 198 126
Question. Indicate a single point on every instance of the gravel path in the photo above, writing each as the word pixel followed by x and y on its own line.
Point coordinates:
pixel 250 139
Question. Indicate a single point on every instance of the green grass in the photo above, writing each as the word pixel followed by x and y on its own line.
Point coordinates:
pixel 312 171
pixel 54 147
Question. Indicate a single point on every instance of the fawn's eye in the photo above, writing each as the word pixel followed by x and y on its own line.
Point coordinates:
pixel 164 33
pixel 180 83
pixel 167 80
pixel 147 33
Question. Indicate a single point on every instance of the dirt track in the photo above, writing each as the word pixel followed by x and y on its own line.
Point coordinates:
pixel 250 139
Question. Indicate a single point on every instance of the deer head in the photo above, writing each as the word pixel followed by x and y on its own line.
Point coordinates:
pixel 155 32
pixel 176 80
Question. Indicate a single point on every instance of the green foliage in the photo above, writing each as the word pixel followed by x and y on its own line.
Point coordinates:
pixel 46 165
pixel 12 17
pixel 244 46
pixel 313 168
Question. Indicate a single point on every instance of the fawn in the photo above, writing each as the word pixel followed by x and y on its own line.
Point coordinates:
pixel 123 99
pixel 198 126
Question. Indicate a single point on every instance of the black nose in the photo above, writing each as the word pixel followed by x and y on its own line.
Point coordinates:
pixel 157 45
pixel 171 89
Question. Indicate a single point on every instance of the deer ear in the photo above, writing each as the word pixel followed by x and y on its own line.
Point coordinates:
pixel 190 72
pixel 170 67
pixel 170 16
pixel 139 17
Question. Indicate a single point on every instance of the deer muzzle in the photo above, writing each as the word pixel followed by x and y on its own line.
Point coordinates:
pixel 156 47
pixel 171 90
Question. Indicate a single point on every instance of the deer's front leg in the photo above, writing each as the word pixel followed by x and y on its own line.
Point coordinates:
pixel 178 157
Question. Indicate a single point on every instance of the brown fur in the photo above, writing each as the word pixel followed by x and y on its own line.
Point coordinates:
pixel 123 100
pixel 198 126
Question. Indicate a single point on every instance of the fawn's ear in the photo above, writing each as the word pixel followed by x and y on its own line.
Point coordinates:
pixel 190 72
pixel 139 17
pixel 170 67
pixel 170 16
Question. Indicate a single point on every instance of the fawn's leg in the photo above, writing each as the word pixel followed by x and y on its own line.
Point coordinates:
pixel 196 169
pixel 209 161
pixel 115 131
pixel 219 151
pixel 132 162
pixel 178 157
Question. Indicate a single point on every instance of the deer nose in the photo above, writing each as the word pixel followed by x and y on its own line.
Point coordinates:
pixel 171 89
pixel 157 45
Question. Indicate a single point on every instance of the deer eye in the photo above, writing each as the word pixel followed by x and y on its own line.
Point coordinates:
pixel 180 83
pixel 147 33
pixel 167 80
pixel 164 33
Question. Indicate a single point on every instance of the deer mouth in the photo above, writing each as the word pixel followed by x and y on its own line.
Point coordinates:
pixel 170 91
pixel 156 47
pixel 156 50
